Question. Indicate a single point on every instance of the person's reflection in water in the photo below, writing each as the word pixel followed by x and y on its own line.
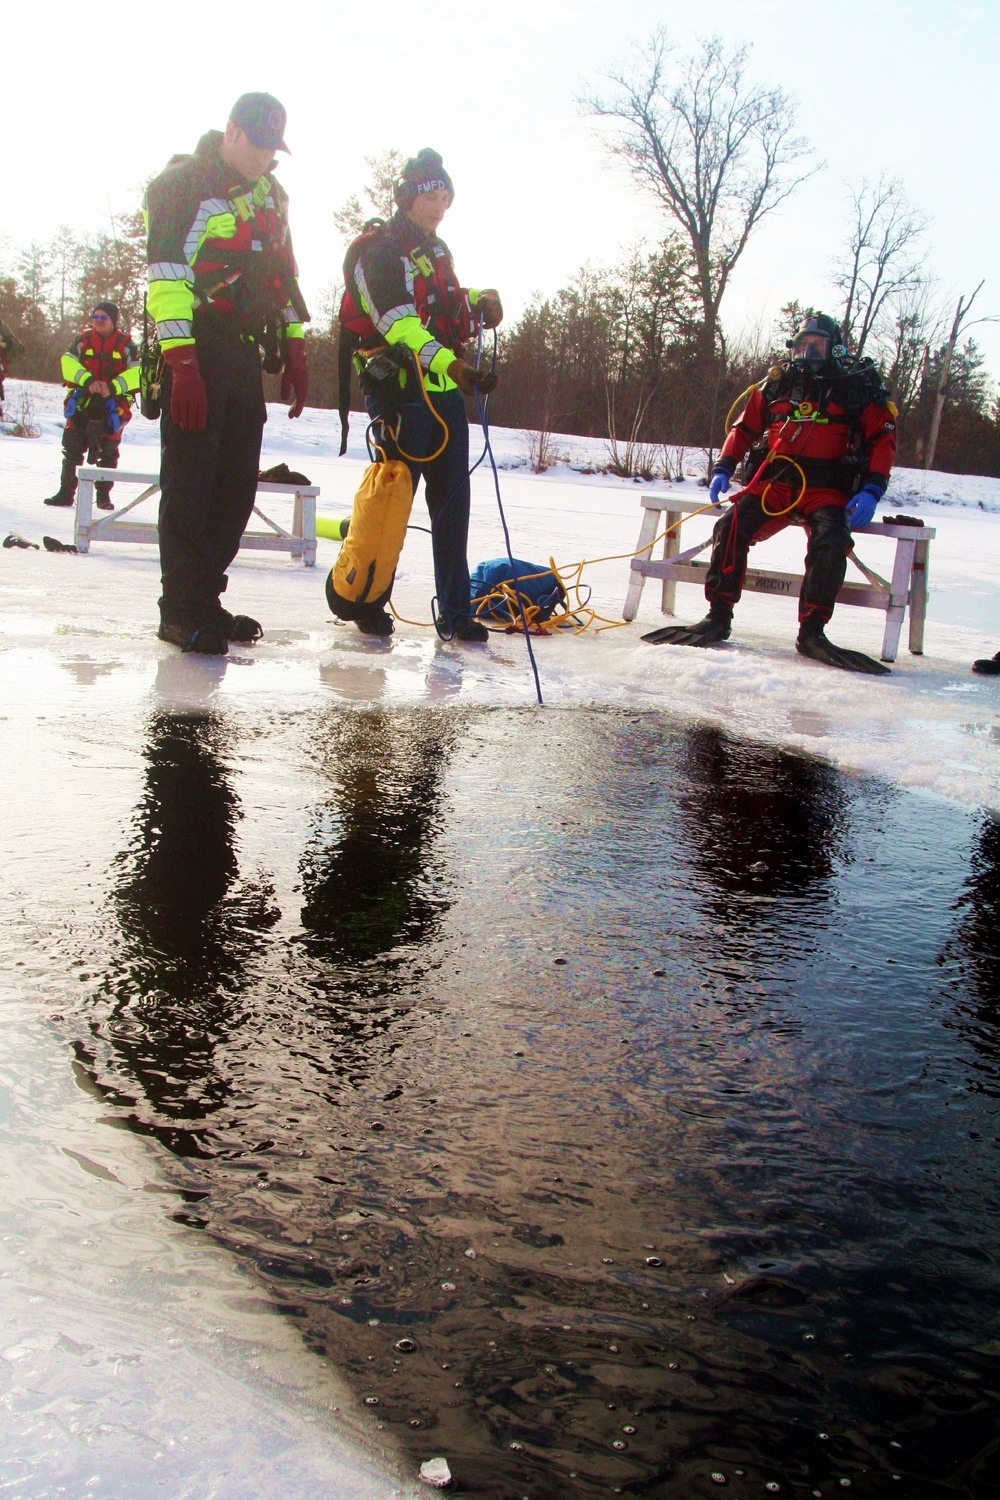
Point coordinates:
pixel 189 930
pixel 763 830
pixel 367 883
pixel 761 821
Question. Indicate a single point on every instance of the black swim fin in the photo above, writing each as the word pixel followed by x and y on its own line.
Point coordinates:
pixel 707 632
pixel 818 648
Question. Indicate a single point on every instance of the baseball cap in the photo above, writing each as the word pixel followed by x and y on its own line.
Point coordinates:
pixel 261 117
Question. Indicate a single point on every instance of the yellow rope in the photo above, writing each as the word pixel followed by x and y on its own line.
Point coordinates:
pixel 504 594
pixel 570 578
pixel 783 458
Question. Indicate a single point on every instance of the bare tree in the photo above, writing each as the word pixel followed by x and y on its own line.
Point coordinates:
pixel 959 326
pixel 377 194
pixel 905 348
pixel 883 262
pixel 713 148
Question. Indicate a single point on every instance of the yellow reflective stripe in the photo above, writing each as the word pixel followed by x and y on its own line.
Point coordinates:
pixel 208 209
pixel 442 362
pixel 73 372
pixel 295 331
pixel 217 227
pixel 473 293
pixel 171 301
pixel 409 331
pixel 174 343
pixel 127 382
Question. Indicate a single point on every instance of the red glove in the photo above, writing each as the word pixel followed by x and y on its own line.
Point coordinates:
pixel 295 376
pixel 188 396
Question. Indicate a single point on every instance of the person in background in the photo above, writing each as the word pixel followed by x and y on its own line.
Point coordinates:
pixel 405 281
pixel 222 288
pixel 11 348
pixel 101 371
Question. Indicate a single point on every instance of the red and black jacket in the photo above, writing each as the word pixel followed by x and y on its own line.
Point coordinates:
pixel 838 426
pixel 111 357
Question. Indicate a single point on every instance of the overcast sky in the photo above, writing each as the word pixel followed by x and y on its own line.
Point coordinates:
pixel 96 99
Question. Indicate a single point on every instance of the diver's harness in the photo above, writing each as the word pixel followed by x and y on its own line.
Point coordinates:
pixel 853 384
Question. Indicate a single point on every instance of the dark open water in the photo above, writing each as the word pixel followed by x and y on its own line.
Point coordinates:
pixel 644 1081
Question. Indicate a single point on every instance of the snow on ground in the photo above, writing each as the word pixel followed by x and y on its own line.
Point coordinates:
pixel 75 626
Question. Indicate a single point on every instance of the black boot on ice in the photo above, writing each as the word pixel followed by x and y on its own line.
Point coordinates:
pixel 208 641
pixel 375 622
pixel 243 629
pixel 986 666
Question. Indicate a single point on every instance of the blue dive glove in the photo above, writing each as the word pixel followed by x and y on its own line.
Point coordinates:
pixel 861 507
pixel 719 484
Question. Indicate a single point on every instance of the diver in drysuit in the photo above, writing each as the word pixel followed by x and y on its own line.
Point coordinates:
pixel 821 434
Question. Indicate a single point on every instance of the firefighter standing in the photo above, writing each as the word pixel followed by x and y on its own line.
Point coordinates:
pixel 101 369
pixel 404 283
pixel 222 287
pixel 827 431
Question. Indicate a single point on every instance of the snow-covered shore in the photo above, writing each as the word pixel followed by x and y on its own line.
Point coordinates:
pixel 85 627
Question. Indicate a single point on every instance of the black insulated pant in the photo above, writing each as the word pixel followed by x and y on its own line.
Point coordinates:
pixel 747 522
pixel 208 481
pixel 87 438
pixel 447 491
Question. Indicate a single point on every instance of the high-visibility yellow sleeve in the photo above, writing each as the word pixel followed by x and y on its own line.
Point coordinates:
pixel 73 372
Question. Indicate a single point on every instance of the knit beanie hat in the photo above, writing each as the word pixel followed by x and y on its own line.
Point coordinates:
pixel 110 308
pixel 422 174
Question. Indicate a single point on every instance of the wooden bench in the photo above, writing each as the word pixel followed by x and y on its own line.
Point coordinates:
pixel 907 587
pixel 110 527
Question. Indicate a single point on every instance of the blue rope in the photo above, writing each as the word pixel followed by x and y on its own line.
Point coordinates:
pixel 488 450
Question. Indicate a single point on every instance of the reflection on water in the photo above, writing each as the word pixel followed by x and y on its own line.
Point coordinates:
pixel 974 954
pixel 599 1062
pixel 188 933
pixel 760 825
pixel 365 884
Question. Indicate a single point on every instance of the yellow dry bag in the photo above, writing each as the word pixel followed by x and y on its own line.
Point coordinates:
pixel 362 576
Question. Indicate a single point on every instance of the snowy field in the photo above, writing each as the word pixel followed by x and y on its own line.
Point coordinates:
pixel 78 627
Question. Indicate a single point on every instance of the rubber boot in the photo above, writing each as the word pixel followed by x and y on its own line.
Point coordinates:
pixel 66 493
pixel 375 621
pixel 243 629
pixel 986 666
pixel 102 495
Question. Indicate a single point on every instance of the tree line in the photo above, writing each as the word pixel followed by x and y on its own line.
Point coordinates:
pixel 637 352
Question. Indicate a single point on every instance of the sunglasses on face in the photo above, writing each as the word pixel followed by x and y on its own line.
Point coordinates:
pixel 99 318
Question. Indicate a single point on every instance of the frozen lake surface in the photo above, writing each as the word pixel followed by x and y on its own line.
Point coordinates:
pixel 602 1097
pixel 932 724
pixel 643 1079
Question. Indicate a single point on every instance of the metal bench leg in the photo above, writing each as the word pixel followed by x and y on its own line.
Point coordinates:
pixel 918 597
pixel 84 518
pixel 647 535
pixel 671 547
pixel 902 572
pixel 307 522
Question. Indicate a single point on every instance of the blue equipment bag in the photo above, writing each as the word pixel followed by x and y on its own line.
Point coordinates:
pixel 537 585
